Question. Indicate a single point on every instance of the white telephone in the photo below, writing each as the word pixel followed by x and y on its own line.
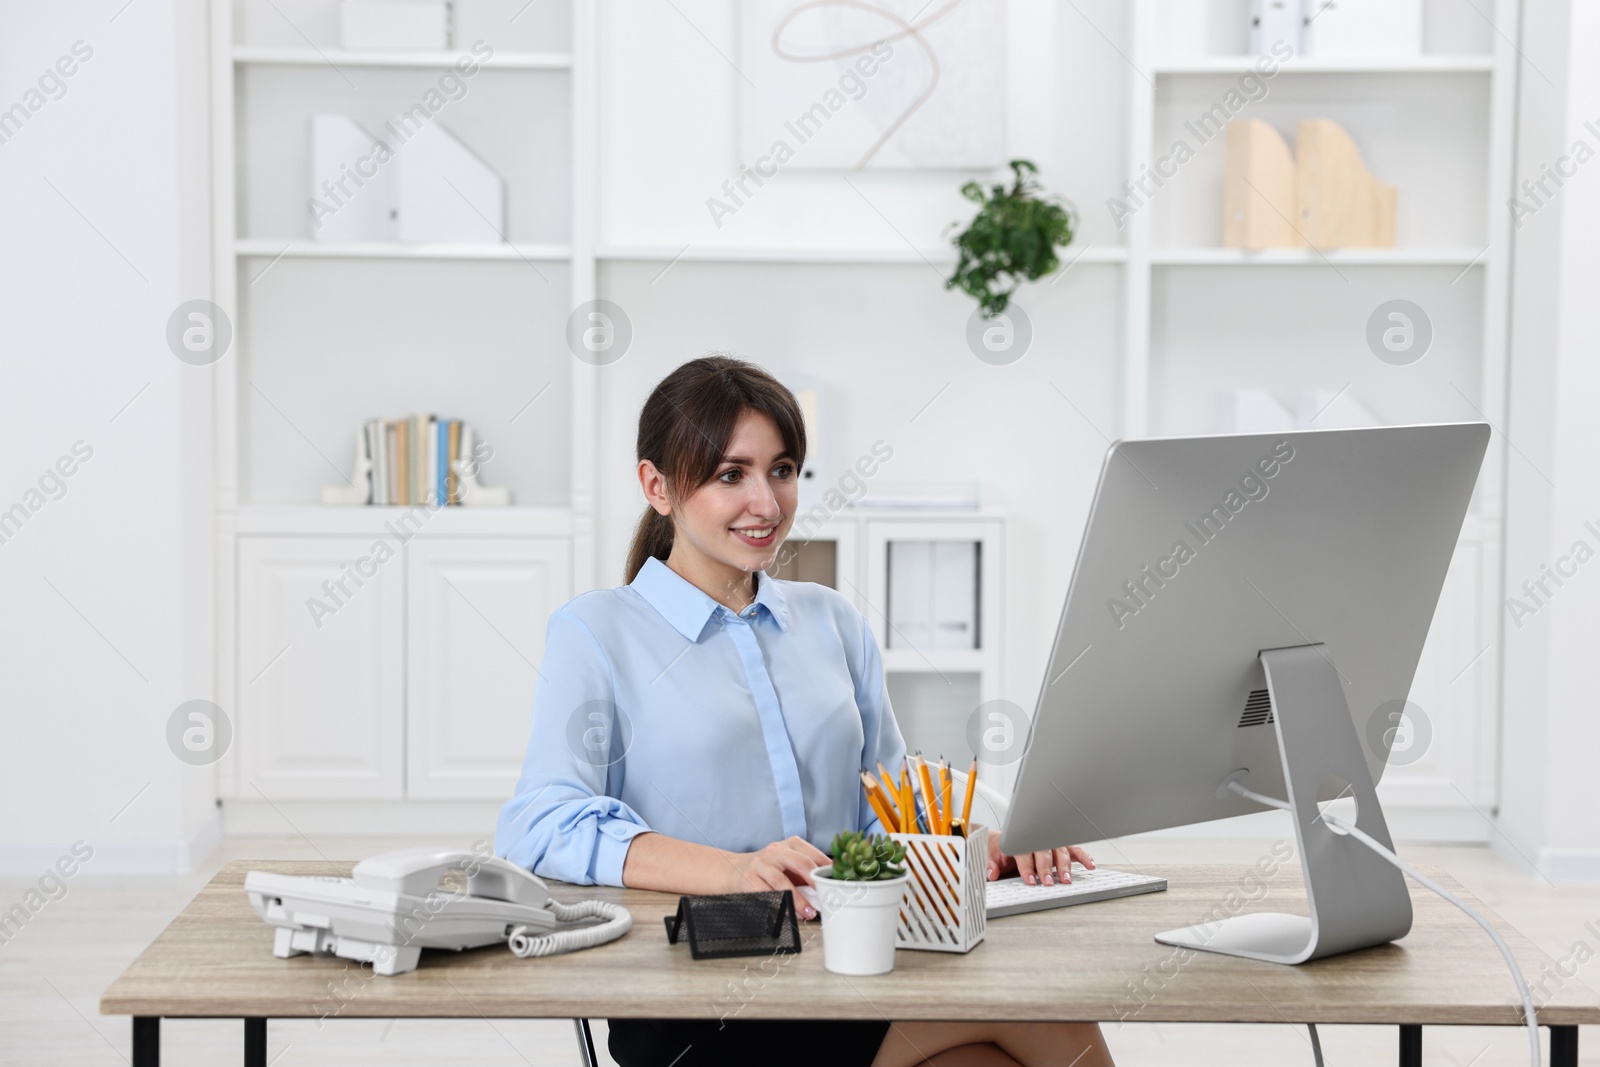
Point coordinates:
pixel 392 907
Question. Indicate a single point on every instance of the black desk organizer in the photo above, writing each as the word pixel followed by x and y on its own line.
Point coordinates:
pixel 736 924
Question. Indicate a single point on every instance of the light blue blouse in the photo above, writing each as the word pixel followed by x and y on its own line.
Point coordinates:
pixel 658 708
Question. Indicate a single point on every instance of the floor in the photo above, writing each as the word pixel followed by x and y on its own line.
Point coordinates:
pixel 53 971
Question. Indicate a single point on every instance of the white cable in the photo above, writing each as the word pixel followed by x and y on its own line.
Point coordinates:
pixel 1259 798
pixel 1530 1014
pixel 525 942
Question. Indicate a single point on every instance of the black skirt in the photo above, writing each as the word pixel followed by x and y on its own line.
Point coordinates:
pixel 770 1042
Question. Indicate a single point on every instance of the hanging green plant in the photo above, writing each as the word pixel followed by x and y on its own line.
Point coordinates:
pixel 1013 239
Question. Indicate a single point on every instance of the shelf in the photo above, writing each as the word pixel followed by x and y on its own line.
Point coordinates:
pixel 1425 64
pixel 951 661
pixel 1305 257
pixel 314 520
pixel 342 57
pixel 273 249
pixel 851 512
pixel 767 254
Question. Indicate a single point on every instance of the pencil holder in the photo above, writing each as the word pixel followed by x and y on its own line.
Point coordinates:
pixel 943 906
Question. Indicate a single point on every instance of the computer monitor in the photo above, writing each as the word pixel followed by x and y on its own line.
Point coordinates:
pixel 1248 603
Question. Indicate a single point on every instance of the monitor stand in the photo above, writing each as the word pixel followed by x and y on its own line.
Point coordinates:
pixel 1356 899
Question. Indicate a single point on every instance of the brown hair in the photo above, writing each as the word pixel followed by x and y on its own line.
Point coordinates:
pixel 684 429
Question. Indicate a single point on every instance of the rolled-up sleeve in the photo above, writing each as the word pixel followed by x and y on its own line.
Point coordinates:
pixel 561 822
pixel 882 742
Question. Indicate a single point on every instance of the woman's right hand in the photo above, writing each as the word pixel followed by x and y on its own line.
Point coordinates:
pixel 781 865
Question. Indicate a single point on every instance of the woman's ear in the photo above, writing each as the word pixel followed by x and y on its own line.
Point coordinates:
pixel 654 484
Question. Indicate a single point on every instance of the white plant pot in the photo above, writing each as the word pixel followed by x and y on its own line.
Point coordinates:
pixel 858 922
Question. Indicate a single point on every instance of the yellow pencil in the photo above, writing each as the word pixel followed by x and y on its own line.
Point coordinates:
pixel 877 788
pixel 876 792
pixel 908 804
pixel 929 801
pixel 883 815
pixel 972 783
pixel 944 795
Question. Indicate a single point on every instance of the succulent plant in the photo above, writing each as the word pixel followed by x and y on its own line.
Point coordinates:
pixel 858 858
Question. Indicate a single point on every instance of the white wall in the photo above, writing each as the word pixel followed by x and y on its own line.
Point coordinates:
pixel 1550 810
pixel 107 589
pixel 669 122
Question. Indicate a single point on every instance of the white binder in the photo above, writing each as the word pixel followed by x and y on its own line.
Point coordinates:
pixel 342 210
pixel 446 193
pixel 933 595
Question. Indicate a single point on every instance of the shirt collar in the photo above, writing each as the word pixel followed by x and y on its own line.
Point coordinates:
pixel 687 607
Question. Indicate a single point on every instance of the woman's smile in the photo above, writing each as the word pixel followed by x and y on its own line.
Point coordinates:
pixel 758 536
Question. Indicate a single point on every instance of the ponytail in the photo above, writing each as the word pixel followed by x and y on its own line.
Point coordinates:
pixel 652 537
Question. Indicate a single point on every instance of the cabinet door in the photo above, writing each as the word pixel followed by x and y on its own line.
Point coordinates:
pixel 913 644
pixel 476 618
pixel 1440 774
pixel 320 669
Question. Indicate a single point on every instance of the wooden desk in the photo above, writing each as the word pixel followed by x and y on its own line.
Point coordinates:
pixel 1096 962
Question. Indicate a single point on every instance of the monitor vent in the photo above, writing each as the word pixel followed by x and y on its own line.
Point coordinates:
pixel 1257 710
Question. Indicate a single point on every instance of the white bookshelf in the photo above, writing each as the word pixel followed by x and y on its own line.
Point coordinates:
pixel 327 334
pixel 340 57
pixel 1306 257
pixel 291 520
pixel 1423 64
pixel 943 255
pixel 1198 317
pixel 266 248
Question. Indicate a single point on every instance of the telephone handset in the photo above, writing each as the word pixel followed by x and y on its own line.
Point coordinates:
pixel 392 907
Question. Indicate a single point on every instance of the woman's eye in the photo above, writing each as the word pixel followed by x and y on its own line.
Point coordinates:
pixel 733 474
pixel 784 470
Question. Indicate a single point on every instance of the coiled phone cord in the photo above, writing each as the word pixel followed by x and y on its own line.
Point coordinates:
pixel 526 941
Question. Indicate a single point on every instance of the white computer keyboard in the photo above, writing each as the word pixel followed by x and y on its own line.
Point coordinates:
pixel 1012 896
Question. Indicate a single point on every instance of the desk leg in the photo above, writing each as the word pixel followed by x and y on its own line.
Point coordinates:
pixel 255 1043
pixel 586 1044
pixel 1563 1046
pixel 1410 1045
pixel 147 1041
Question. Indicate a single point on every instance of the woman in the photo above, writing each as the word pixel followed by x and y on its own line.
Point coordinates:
pixel 702 729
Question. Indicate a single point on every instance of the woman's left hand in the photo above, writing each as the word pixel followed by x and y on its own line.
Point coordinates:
pixel 1035 868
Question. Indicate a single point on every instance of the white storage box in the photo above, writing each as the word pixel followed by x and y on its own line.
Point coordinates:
pixel 1363 27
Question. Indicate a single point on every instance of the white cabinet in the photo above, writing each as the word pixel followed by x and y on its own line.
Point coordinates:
pixel 1440 781
pixel 935 691
pixel 320 680
pixel 475 621
pixel 406 678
